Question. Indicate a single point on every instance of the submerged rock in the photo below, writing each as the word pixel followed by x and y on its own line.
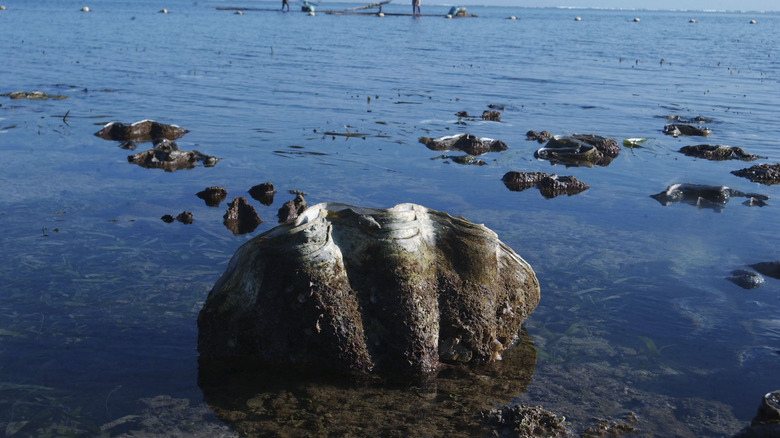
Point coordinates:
pixel 693 120
pixel 263 193
pixel 549 186
pixel 541 137
pixel 358 289
pixel 718 152
pixel 761 173
pixel 746 279
pixel 33 95
pixel 292 208
pixel 167 156
pixel 212 195
pixel 770 269
pixel 676 130
pixel 579 150
pixel 467 143
pixel 167 218
pixel 462 159
pixel 241 217
pixel 702 196
pixel 145 130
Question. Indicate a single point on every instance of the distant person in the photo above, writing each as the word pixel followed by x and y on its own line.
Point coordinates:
pixel 286 3
pixel 416 7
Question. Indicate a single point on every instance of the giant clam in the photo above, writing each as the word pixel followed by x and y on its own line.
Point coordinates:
pixel 360 289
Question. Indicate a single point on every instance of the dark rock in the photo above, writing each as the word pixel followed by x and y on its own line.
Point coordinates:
pixel 525 421
pixel 462 159
pixel 717 152
pixel 497 107
pixel 746 279
pixel 612 428
pixel 493 116
pixel 184 217
pixel 213 195
pixel 33 95
pixel 241 217
pixel 129 145
pixel 462 114
pixel 698 120
pixel 167 156
pixel 549 186
pixel 363 290
pixel 467 143
pixel 761 173
pixel 291 209
pixel 167 219
pixel 264 193
pixel 766 423
pixel 677 130
pixel 540 137
pixel 702 196
pixel 753 201
pixel 145 130
pixel 770 269
pixel 579 150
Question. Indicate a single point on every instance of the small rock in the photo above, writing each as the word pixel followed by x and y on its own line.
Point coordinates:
pixel 770 269
pixel 184 217
pixel 167 219
pixel 761 173
pixel 291 209
pixel 549 186
pixel 493 116
pixel 467 143
pixel 541 137
pixel 717 152
pixel 525 421
pixel 263 193
pixel 677 130
pixel 85 9
pixel 746 279
pixel 213 195
pixel 240 217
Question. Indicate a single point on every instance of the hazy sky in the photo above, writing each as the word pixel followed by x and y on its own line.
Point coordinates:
pixel 728 5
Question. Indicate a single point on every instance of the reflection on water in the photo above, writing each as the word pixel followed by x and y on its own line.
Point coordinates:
pixel 256 401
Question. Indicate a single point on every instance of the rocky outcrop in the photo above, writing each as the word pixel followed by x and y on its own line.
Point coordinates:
pixel 704 196
pixel 212 195
pixel 746 279
pixel 358 289
pixel 770 269
pixel 766 423
pixel 145 130
pixel 493 116
pixel 579 150
pixel 676 130
pixel 717 152
pixel 263 193
pixel 167 156
pixel 540 137
pixel 549 186
pixel 240 217
pixel 467 143
pixel 761 173
pixel 291 209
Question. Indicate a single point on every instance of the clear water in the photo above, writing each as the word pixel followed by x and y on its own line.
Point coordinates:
pixel 100 297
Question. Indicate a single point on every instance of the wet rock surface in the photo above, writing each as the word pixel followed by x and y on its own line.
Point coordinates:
pixel 241 217
pixel 185 217
pixel 678 129
pixel 493 116
pixel 462 159
pixel 371 291
pixel 33 95
pixel 604 427
pixel 717 152
pixel 770 269
pixel 549 186
pixel 579 150
pixel 525 421
pixel 143 131
pixel 541 137
pixel 702 196
pixel 291 209
pixel 213 195
pixel 167 156
pixel 766 423
pixel 467 143
pixel 263 193
pixel 761 173
pixel 746 279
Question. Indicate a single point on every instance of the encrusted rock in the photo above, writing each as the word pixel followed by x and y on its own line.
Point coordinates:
pixel 264 193
pixel 145 130
pixel 493 116
pixel 579 150
pixel 358 289
pixel 167 156
pixel 761 173
pixel 676 130
pixel 292 208
pixel 541 137
pixel 766 423
pixel 718 152
pixel 467 143
pixel 525 421
pixel 213 195
pixel 549 186
pixel 241 217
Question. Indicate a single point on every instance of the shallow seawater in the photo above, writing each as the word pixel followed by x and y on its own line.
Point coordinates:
pixel 100 297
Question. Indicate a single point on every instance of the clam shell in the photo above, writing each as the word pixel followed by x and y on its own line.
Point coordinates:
pixel 359 289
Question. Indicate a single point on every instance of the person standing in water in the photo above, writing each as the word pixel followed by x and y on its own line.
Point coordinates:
pixel 286 3
pixel 416 7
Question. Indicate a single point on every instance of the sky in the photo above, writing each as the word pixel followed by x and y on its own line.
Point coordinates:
pixel 719 5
